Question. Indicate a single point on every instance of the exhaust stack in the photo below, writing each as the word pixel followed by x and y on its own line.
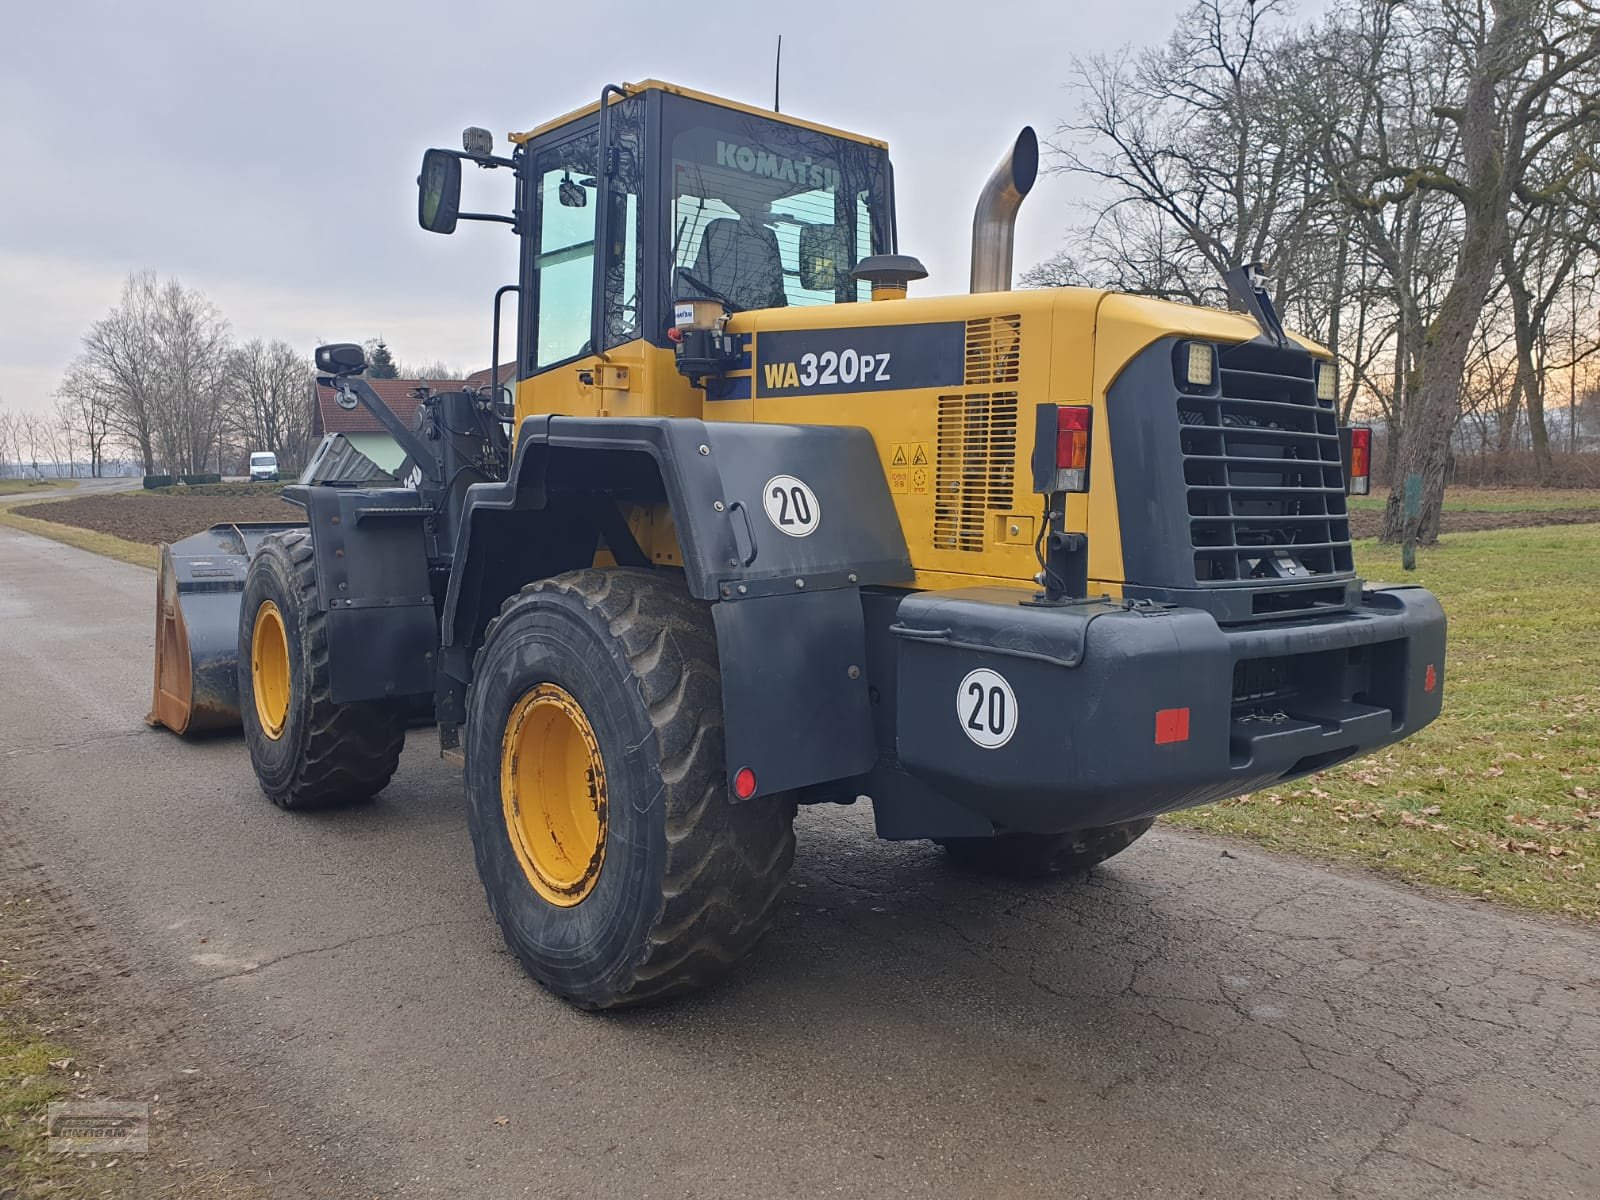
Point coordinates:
pixel 994 221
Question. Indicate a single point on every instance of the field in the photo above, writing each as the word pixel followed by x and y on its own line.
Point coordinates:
pixel 1467 510
pixel 165 515
pixel 1499 799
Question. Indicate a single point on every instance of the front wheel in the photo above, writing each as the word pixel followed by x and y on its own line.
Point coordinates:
pixel 1041 855
pixel 307 751
pixel 618 866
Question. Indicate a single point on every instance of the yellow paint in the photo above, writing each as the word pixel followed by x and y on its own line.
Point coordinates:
pixel 1072 345
pixel 647 85
pixel 269 669
pixel 553 794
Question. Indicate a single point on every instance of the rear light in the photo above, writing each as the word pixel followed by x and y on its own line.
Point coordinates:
pixel 1360 460
pixel 744 783
pixel 1061 448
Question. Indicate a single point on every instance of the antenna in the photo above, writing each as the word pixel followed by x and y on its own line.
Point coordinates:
pixel 777 75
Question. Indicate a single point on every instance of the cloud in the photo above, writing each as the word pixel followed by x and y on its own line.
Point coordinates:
pixel 265 151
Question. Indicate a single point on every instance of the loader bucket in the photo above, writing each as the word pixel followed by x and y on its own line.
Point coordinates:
pixel 198 591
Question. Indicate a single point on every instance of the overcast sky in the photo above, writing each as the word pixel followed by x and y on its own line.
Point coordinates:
pixel 266 153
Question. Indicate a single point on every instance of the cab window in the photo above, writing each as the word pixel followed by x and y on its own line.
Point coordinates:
pixel 770 215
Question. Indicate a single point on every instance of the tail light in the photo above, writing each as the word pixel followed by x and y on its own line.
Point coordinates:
pixel 1360 460
pixel 1061 448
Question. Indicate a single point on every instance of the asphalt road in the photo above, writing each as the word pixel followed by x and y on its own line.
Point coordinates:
pixel 1198 1019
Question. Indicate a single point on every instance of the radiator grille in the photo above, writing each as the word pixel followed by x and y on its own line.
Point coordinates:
pixel 994 351
pixel 975 467
pixel 1261 465
pixel 975 459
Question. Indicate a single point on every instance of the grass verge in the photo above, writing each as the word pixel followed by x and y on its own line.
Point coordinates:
pixel 20 487
pixel 137 553
pixel 1496 499
pixel 35 1070
pixel 1500 797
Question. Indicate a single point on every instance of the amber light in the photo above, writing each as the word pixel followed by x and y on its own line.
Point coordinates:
pixel 1360 460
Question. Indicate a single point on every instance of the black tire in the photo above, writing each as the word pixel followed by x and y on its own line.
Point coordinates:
pixel 688 877
pixel 1042 855
pixel 327 754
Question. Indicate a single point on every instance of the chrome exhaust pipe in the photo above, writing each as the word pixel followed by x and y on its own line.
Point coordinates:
pixel 994 221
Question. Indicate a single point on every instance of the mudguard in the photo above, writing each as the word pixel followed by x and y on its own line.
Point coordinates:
pixel 372 581
pixel 779 527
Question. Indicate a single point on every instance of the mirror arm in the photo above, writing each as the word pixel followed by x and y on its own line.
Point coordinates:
pixel 363 393
pixel 501 217
pixel 486 161
pixel 602 216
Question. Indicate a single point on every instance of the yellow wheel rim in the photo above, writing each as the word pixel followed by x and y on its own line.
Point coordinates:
pixel 269 669
pixel 553 790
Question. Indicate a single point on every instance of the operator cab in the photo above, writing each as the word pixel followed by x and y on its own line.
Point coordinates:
pixel 702 199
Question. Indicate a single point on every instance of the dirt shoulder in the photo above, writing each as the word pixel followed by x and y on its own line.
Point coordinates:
pixel 1369 524
pixel 81 1021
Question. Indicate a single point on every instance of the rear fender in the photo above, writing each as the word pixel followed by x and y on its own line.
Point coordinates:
pixel 786 601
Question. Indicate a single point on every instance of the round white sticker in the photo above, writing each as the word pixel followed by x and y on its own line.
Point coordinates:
pixel 791 506
pixel 987 708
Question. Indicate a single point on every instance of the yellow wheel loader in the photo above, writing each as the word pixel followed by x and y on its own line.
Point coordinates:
pixel 746 526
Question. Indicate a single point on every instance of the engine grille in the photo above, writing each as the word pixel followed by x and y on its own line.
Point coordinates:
pixel 975 457
pixel 1261 464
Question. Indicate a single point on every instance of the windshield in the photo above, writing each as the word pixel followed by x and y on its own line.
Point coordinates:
pixel 769 215
pixel 262 460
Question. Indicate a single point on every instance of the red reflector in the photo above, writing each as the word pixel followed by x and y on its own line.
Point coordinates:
pixel 1072 437
pixel 1172 725
pixel 674 334
pixel 1430 679
pixel 744 783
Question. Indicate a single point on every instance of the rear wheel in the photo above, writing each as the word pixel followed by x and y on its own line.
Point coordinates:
pixel 620 869
pixel 1041 855
pixel 307 751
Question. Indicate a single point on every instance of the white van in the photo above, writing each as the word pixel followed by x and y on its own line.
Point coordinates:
pixel 263 465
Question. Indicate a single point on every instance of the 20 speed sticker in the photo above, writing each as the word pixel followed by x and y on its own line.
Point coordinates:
pixel 987 708
pixel 791 506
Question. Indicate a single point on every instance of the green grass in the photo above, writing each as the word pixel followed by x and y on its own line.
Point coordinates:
pixel 16 487
pixel 1496 500
pixel 1500 797
pixel 137 553
pixel 27 1084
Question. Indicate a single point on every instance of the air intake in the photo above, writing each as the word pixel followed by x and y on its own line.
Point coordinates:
pixel 975 463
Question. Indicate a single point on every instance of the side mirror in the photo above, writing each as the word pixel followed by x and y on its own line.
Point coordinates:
pixel 821 255
pixel 341 358
pixel 439 191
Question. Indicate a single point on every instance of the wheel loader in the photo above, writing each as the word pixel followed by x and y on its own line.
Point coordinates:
pixel 743 525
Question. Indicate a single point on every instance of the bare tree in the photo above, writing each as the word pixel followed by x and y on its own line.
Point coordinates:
pixel 84 403
pixel 266 391
pixel 157 362
pixel 10 428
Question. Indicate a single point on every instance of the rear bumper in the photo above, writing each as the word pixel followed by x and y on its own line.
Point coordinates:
pixel 1119 713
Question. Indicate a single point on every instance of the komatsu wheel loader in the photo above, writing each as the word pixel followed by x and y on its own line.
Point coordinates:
pixel 745 526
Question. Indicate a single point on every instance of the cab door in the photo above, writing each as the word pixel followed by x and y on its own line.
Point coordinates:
pixel 562 370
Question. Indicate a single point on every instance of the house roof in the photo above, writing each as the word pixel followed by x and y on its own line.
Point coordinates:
pixel 327 417
pixel 478 379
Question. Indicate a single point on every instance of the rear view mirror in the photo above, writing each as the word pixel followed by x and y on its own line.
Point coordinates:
pixel 820 257
pixel 341 358
pixel 439 191
pixel 572 194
